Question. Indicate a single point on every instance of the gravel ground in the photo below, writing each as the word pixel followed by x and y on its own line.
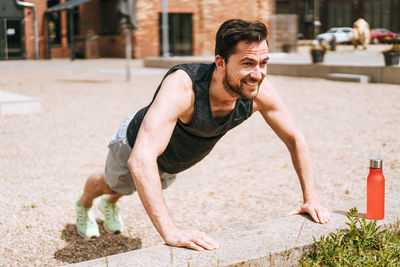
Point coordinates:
pixel 248 177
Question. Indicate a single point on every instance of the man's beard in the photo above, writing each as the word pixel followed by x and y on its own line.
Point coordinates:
pixel 235 90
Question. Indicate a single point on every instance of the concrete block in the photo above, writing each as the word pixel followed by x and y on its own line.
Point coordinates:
pixel 391 74
pixel 159 62
pixel 279 242
pixel 374 74
pixel 11 103
pixel 345 77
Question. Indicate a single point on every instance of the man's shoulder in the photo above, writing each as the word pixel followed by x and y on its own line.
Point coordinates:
pixel 178 86
pixel 180 77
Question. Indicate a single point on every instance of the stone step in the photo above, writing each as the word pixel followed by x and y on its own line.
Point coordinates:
pixel 12 103
pixel 345 77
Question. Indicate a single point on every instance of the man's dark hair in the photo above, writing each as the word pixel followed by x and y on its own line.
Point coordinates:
pixel 233 31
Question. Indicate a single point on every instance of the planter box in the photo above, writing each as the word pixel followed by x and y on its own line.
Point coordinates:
pixel 317 56
pixel 391 58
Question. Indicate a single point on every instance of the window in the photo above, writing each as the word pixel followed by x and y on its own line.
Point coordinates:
pixel 11 40
pixel 339 14
pixel 180 34
pixel 378 13
pixel 283 7
pixel 54 24
pixel 109 17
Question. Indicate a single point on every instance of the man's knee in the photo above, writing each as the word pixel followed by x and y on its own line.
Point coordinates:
pixel 106 188
pixel 100 182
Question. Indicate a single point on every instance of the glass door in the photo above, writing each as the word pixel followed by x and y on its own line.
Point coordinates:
pixel 180 34
pixel 11 39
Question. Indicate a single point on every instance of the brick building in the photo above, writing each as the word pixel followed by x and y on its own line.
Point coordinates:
pixel 192 27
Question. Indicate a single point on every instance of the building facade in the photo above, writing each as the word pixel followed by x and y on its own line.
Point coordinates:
pixel 341 13
pixel 192 27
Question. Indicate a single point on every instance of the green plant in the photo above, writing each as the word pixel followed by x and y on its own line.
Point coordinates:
pixel 363 244
pixel 319 46
pixel 395 45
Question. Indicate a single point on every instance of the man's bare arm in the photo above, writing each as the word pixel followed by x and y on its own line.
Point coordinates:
pixel 174 100
pixel 275 113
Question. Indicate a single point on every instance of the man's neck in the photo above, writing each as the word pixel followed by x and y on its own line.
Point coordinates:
pixel 221 102
pixel 218 93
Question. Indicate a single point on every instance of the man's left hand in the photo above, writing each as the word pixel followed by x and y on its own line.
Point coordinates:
pixel 319 213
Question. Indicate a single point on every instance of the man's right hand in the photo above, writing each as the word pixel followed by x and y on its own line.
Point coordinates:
pixel 193 239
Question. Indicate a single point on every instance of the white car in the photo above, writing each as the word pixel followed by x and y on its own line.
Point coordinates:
pixel 342 35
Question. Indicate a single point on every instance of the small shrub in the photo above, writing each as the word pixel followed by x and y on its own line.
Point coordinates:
pixel 362 244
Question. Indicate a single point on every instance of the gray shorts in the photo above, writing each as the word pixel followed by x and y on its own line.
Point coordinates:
pixel 117 173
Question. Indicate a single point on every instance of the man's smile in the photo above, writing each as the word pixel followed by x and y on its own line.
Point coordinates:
pixel 251 83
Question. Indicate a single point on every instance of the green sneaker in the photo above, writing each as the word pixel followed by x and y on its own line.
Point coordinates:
pixel 85 221
pixel 113 222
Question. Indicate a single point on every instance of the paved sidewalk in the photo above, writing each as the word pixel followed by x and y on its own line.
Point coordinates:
pixel 248 178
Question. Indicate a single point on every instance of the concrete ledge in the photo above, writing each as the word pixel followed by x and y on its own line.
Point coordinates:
pixel 11 103
pixel 348 77
pixel 167 63
pixel 377 74
pixel 279 242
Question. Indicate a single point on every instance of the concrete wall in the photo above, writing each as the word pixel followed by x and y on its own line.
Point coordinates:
pixel 377 74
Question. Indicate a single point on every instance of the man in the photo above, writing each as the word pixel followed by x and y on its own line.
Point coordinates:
pixel 195 105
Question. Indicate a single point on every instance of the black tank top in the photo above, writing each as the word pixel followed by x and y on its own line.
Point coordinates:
pixel 191 142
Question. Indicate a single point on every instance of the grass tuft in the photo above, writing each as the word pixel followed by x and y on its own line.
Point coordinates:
pixel 362 244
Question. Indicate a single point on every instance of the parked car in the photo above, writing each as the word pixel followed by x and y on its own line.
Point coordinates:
pixel 379 35
pixel 342 35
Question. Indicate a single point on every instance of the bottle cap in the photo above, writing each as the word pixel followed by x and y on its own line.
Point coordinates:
pixel 375 163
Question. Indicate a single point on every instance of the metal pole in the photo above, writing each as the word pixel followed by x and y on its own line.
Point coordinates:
pixel 165 44
pixel 35 28
pixel 71 33
pixel 128 53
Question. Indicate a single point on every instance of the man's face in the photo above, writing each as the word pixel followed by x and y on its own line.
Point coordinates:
pixel 246 69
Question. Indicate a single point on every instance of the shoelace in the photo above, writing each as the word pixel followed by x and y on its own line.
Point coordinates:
pixel 110 211
pixel 83 215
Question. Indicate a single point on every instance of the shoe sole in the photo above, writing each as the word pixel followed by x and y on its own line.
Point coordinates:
pixel 110 232
pixel 87 237
pixel 104 223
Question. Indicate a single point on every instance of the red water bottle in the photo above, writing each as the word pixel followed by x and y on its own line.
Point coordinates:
pixel 375 191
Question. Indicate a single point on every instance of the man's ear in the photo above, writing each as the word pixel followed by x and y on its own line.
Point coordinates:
pixel 219 62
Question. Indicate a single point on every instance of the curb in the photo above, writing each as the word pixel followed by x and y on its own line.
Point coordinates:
pixel 279 242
